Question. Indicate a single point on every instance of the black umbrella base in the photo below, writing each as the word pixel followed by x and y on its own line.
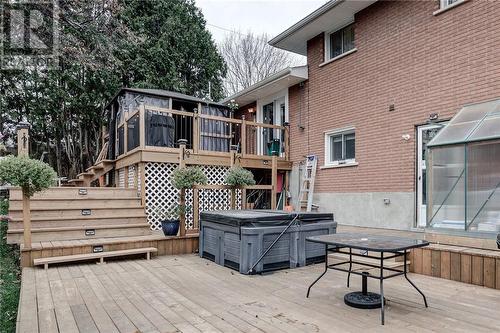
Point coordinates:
pixel 361 300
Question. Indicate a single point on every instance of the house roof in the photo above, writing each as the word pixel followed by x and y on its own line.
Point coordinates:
pixel 164 93
pixel 270 85
pixel 475 122
pixel 329 17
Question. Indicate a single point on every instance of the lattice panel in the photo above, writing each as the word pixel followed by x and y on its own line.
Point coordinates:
pixel 121 178
pixel 131 176
pixel 160 194
pixel 139 186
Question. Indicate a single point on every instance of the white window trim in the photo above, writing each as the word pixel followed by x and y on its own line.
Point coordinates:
pixel 275 99
pixel 337 164
pixel 444 8
pixel 340 56
pixel 326 56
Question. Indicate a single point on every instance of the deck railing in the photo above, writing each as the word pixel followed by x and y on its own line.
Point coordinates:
pixel 151 127
pixel 246 201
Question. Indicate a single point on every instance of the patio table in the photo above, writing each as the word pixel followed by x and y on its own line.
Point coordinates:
pixel 394 246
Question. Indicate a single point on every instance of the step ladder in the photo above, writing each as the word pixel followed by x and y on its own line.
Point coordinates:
pixel 307 184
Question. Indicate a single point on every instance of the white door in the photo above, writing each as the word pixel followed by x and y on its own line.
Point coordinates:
pixel 424 135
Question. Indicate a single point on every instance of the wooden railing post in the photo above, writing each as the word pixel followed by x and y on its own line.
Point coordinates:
pixel 26 221
pixel 233 148
pixel 196 129
pixel 286 140
pixel 142 126
pixel 274 175
pixel 243 135
pixel 196 208
pixel 182 192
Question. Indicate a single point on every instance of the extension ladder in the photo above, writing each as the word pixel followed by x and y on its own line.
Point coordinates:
pixel 307 184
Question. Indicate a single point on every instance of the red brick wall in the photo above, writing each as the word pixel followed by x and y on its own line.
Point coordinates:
pixel 405 56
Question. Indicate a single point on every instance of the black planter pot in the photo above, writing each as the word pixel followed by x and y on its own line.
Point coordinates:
pixel 170 227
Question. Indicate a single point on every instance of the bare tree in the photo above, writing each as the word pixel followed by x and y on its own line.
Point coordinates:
pixel 250 59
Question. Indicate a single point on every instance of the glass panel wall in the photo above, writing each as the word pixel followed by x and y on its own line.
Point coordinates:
pixel 464 187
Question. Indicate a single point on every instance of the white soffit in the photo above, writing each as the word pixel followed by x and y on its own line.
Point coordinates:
pixel 332 15
pixel 270 85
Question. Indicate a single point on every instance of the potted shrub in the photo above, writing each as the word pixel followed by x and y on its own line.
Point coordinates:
pixel 183 179
pixel 32 176
pixel 170 218
pixel 239 177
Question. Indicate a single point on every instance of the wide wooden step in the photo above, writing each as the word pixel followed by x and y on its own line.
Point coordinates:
pixel 91 256
pixel 78 203
pixel 62 222
pixel 84 212
pixel 165 245
pixel 15 236
pixel 15 193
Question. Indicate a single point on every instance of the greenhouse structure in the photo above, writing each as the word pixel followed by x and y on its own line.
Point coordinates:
pixel 464 171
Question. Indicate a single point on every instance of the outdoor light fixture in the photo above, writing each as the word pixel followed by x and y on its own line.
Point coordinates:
pixel 251 110
pixel 433 116
pixel 406 137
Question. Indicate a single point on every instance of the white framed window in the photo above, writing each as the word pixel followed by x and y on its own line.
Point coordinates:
pixel 340 147
pixel 339 42
pixel 447 3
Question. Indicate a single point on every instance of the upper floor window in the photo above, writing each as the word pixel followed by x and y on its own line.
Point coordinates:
pixel 446 3
pixel 340 42
pixel 340 147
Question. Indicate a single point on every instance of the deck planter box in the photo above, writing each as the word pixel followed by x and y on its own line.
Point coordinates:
pixel 237 238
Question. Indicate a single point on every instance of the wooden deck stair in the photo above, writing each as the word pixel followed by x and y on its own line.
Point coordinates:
pixel 93 173
pixel 66 213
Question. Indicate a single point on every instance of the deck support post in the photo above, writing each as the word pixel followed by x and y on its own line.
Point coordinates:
pixel 274 175
pixel 234 149
pixel 182 192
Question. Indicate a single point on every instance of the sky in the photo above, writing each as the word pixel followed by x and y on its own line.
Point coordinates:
pixel 258 16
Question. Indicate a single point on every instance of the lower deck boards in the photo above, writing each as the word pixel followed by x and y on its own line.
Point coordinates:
pixel 188 294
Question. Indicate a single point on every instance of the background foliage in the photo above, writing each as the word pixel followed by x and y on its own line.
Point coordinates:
pixel 105 45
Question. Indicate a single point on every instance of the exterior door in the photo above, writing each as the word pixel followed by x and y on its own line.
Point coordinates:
pixel 424 135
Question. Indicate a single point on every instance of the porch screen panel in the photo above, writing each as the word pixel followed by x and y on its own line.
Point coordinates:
pixel 121 141
pixel 215 135
pixel 160 129
pixel 133 133
pixel 447 183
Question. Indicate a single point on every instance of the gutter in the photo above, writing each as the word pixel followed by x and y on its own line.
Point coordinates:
pixel 258 85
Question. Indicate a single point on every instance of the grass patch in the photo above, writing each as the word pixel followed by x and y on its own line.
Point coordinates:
pixel 10 277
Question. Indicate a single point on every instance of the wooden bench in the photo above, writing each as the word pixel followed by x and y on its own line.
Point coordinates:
pixel 89 256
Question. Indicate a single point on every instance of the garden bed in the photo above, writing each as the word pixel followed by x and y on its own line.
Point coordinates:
pixel 10 281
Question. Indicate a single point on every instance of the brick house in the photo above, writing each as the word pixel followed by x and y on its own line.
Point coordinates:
pixel 383 77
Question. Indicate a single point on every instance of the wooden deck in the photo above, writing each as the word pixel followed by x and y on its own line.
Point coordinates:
pixel 189 294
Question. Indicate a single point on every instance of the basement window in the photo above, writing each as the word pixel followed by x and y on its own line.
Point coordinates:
pixel 340 147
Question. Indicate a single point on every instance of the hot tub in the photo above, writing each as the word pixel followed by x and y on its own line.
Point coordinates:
pixel 237 238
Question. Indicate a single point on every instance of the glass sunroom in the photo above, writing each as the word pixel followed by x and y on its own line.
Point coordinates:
pixel 464 171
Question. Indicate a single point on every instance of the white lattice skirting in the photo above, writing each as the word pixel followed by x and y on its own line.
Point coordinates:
pixel 160 194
